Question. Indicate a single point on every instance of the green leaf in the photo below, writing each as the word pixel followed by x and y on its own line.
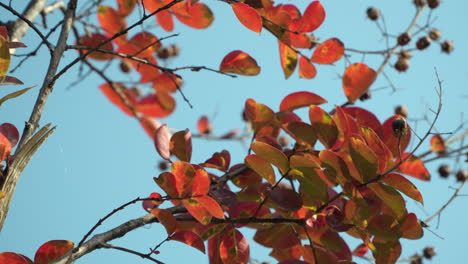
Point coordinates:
pixel 324 126
pixel 261 166
pixel 364 159
pixel 403 185
pixel 13 95
pixel 272 155
pixel 390 197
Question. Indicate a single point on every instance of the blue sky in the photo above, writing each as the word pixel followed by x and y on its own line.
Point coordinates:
pixel 98 158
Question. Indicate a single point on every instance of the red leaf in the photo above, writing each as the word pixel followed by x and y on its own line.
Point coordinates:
pixel 303 133
pixel 219 160
pixel 361 250
pixel 364 117
pixel 115 98
pixel 184 174
pixel 306 69
pixel 239 62
pixel 210 205
pixel 167 82
pixel 414 167
pixel 357 78
pixel 396 144
pixel 203 125
pixel 94 40
pixel 288 58
pixel 181 145
pixel 161 142
pixel 201 183
pixel 167 181
pixel 261 166
pixel 328 52
pixel 300 99
pixel 197 16
pixel 52 250
pixel 5 147
pixel 197 210
pixel 403 185
pixel 148 205
pixel 126 6
pixel 286 198
pixel 149 125
pixel 313 17
pixel 257 112
pixel 111 22
pixel 145 44
pixel 14 258
pixel 190 239
pixel 438 144
pixel 234 248
pixel 10 132
pixel 165 20
pixel 248 16
pixel 323 125
pixel 157 105
pixel 166 218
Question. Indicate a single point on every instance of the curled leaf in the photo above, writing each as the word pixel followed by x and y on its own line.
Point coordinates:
pixel 162 142
pixel 239 62
pixel 357 78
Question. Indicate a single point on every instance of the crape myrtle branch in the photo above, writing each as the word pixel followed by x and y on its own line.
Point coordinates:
pixel 144 256
pixel 13 174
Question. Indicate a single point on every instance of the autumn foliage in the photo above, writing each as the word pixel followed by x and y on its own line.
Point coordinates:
pixel 345 171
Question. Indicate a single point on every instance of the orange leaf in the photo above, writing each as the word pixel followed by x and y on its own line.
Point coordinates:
pixel 149 125
pixel 167 82
pixel 165 20
pixel 257 112
pixel 201 183
pixel 239 62
pixel 126 6
pixel 167 182
pixel 203 125
pixel 197 16
pixel 156 105
pixel 357 78
pixel 378 146
pixel 190 239
pixel 13 258
pixel 248 16
pixel 234 248
pixel 166 218
pixel 197 210
pixel 364 117
pixel 414 167
pixel 4 56
pixel 145 44
pixel 324 126
pixel 306 69
pixel 271 154
pixel 115 98
pixel 328 52
pixel 111 22
pixel 261 166
pixel 390 197
pixel 219 160
pixel 94 40
pixel 438 144
pixel 300 99
pixel 184 174
pixel 403 185
pixel 52 250
pixel 181 145
pixel 313 17
pixel 288 58
pixel 411 227
pixel 210 205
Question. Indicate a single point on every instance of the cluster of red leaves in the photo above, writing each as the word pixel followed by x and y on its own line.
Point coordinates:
pixel 357 152
pixel 45 254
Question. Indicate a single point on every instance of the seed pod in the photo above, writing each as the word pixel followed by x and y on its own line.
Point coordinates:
pixel 433 3
pixel 400 127
pixel 429 252
pixel 163 165
pixel 462 175
pixel 124 66
pixel 401 110
pixel 416 259
pixel 283 141
pixel 434 34
pixel 402 65
pixel 447 46
pixel 444 171
pixel 373 13
pixel 365 96
pixel 419 3
pixel 404 38
pixel 423 43
pixel 404 54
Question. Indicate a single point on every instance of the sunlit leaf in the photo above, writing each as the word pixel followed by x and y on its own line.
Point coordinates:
pixel 52 250
pixel 239 62
pixel 403 185
pixel 414 166
pixel 184 174
pixel 4 56
pixel 261 166
pixel 323 125
pixel 234 248
pixel 126 6
pixel 149 205
pixel 288 59
pixel 313 17
pixel 203 125
pixel 166 218
pixel 210 205
pixel 165 20
pixel 167 182
pixel 114 93
pixel 390 197
pixel 14 258
pixel 397 145
pixel 189 238
pixel 357 78
pixel 248 16
pixel 257 112
pixel 364 159
pixel 300 99
pixel 111 21
pixel 167 82
pixel 219 160
pixel 5 147
pixel 10 132
pixel 149 125
pixel 197 16
pixel 162 142
pixel 145 43
pixel 306 69
pixel 271 154
pixel 94 40
pixel 335 167
pixel 303 133
pixel 201 183
pixel 411 227
pixel 181 145
pixel 157 105
pixel 378 147
pixel 438 144
pixel 363 117
pixel 328 52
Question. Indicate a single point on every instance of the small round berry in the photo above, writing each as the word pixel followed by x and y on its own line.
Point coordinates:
pixel 125 66
pixel 163 53
pixel 365 96
pixel 416 259
pixel 402 65
pixel 163 165
pixel 447 46
pixel 373 13
pixel 283 141
pixel 433 3
pixel 429 252
pixel 404 38
pixel 401 110
pixel 444 171
pixel 423 43
pixel 419 3
pixel 405 54
pixel 400 127
pixel 462 175
pixel 434 34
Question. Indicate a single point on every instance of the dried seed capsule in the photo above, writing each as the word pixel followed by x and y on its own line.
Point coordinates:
pixel 404 38
pixel 401 110
pixel 373 13
pixel 423 43
pixel 429 252
pixel 404 54
pixel 416 259
pixel 433 3
pixel 400 127
pixel 444 171
pixel 462 175
pixel 365 96
pixel 447 46
pixel 434 34
pixel 402 65
pixel 419 3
